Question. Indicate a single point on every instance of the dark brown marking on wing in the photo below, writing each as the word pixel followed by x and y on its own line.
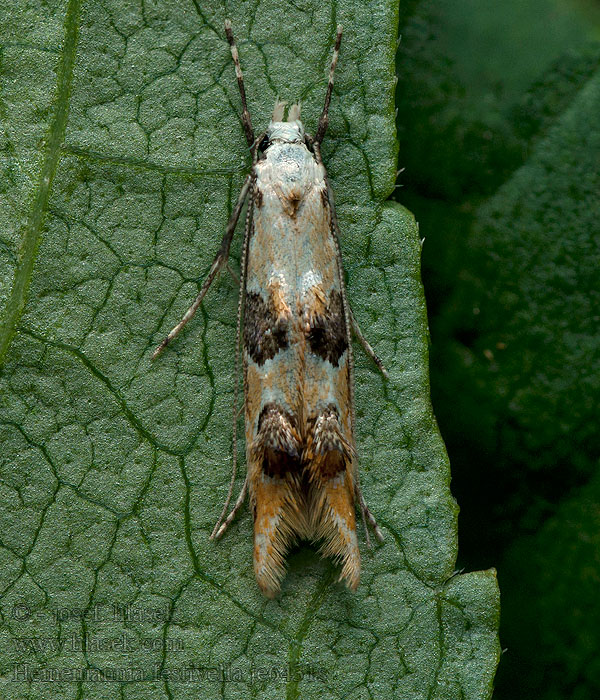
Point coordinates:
pixel 265 333
pixel 324 199
pixel 278 441
pixel 327 334
pixel 333 463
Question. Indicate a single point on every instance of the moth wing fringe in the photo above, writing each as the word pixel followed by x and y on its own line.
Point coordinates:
pixel 332 521
pixel 331 466
pixel 276 494
pixel 279 521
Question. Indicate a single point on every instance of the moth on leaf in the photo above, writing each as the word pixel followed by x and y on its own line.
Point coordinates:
pixel 296 324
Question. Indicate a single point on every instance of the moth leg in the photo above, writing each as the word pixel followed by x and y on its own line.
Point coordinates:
pixel 234 277
pixel 367 346
pixel 368 517
pixel 220 260
pixel 219 528
pixel 246 121
pixel 366 529
pixel 324 120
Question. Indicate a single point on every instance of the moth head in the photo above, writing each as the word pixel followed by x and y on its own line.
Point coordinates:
pixel 290 131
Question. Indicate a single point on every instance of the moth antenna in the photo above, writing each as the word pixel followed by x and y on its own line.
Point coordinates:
pixel 324 120
pixel 246 121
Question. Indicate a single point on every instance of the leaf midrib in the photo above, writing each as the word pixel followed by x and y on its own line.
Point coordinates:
pixel 32 232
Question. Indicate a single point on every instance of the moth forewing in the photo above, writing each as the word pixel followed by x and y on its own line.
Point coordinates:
pixel 297 357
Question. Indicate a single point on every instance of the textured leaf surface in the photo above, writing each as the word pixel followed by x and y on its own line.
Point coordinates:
pixel 539 319
pixel 512 295
pixel 554 606
pixel 123 154
pixel 541 304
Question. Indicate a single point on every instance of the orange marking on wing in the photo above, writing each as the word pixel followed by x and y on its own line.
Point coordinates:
pixel 313 304
pixel 277 290
pixel 253 393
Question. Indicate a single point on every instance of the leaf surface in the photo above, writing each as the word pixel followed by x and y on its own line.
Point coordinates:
pixel 537 240
pixel 114 469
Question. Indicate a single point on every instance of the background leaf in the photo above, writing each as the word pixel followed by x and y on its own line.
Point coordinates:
pixel 538 327
pixel 497 106
pixel 114 469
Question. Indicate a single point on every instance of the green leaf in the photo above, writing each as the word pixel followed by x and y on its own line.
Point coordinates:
pixel 537 352
pixel 463 68
pixel 554 608
pixel 537 362
pixel 496 100
pixel 115 469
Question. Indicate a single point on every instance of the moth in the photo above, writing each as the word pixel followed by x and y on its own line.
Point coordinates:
pixel 296 324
